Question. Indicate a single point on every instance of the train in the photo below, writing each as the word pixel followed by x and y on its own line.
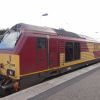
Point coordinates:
pixel 29 54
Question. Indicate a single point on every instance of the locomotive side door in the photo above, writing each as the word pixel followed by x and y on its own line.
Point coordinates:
pixel 42 51
pixel 53 53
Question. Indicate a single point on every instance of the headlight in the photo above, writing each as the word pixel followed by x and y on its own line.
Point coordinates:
pixel 10 72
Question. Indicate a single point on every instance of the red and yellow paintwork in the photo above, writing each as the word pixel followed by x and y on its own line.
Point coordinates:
pixel 88 53
pixel 25 63
pixel 10 61
pixel 27 59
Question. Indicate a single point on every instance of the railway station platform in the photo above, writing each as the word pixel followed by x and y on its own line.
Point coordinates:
pixel 83 84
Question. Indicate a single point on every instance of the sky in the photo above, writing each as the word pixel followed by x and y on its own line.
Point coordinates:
pixel 79 16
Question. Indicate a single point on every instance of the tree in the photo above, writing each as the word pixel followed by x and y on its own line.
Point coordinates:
pixel 2 31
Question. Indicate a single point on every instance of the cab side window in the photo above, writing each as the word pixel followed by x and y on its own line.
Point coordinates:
pixel 41 43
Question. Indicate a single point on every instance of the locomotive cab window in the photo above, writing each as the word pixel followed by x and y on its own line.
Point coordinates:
pixel 72 51
pixel 41 43
pixel 9 40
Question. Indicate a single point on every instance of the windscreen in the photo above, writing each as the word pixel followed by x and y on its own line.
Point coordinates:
pixel 9 40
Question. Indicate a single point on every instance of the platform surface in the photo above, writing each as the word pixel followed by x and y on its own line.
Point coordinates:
pixel 83 84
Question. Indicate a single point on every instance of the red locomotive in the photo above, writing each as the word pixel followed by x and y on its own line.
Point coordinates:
pixel 29 54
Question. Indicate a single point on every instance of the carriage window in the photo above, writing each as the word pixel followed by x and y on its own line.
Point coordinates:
pixel 72 51
pixel 41 42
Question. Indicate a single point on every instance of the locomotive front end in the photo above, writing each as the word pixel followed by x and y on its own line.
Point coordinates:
pixel 9 72
pixel 9 63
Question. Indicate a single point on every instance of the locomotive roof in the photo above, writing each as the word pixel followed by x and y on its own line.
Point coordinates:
pixel 30 28
pixel 65 33
pixel 50 31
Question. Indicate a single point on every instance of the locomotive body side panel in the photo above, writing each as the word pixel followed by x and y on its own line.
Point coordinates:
pixel 33 58
pixel 52 57
pixel 97 50
pixel 53 53
pixel 87 53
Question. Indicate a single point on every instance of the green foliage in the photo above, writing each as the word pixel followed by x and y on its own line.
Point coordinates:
pixel 2 31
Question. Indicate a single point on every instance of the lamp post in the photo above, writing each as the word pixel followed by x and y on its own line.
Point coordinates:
pixel 45 14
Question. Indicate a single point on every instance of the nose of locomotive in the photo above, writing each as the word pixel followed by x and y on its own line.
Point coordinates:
pixel 9 65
